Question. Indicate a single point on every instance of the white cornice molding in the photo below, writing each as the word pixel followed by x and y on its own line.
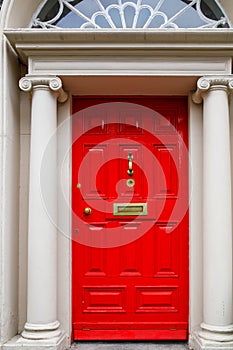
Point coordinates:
pixel 54 83
pixel 125 52
pixel 204 84
pixel 28 42
pixel 223 35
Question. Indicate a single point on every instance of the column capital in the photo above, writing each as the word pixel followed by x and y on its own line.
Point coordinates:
pixel 54 83
pixel 204 84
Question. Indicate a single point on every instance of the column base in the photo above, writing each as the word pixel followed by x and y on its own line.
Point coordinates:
pixel 206 340
pixel 41 331
pixel 57 343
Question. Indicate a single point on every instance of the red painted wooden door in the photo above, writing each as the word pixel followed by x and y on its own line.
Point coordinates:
pixel 130 220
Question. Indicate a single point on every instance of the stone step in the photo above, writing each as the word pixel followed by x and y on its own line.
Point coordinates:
pixel 129 346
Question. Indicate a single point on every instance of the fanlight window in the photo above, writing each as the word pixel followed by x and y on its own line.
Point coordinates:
pixel 134 14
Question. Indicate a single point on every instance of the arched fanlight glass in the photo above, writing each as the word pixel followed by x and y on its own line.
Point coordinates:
pixel 133 14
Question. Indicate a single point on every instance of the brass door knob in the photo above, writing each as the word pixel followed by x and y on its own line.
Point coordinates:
pixel 87 211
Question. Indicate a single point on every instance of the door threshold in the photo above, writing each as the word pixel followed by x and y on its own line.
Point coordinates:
pixel 156 345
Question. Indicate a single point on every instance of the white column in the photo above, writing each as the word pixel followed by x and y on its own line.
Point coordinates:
pixel 42 320
pixel 217 323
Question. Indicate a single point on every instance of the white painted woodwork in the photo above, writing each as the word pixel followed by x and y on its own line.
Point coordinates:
pixel 42 227
pixel 217 322
pixel 217 209
pixel 9 194
pixel 195 213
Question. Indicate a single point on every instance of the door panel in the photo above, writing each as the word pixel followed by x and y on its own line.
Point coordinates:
pixel 130 255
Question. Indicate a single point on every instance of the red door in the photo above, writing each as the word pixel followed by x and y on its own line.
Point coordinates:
pixel 130 219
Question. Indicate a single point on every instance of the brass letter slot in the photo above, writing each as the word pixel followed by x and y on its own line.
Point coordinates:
pixel 125 209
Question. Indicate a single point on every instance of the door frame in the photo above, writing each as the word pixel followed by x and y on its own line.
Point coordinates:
pixel 159 61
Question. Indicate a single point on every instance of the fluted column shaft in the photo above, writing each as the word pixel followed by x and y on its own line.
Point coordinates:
pixel 217 209
pixel 42 231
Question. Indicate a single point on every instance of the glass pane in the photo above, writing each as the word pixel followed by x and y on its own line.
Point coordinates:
pixel 129 14
pixel 143 17
pixel 115 15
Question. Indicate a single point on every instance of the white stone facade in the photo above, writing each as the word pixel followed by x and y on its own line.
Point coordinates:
pixel 53 66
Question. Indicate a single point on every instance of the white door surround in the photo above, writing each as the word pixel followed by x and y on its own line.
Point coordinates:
pixel 42 320
pixel 155 63
pixel 217 322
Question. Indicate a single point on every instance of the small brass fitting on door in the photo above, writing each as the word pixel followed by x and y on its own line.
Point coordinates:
pixel 87 211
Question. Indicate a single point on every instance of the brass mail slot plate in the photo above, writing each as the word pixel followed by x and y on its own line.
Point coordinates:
pixel 125 209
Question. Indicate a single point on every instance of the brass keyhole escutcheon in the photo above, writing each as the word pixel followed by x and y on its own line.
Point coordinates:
pixel 130 182
pixel 87 211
